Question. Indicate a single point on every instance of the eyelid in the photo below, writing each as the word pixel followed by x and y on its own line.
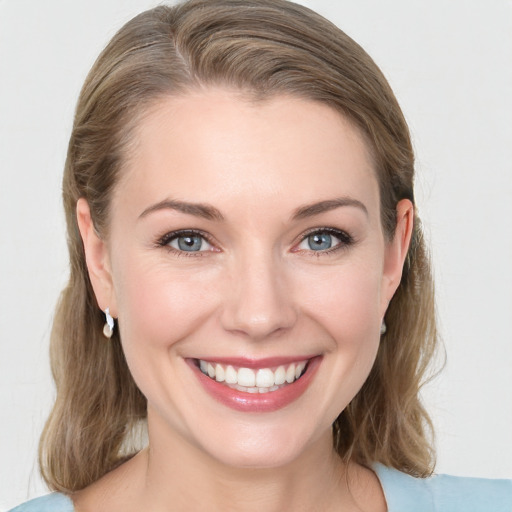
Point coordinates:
pixel 165 240
pixel 346 240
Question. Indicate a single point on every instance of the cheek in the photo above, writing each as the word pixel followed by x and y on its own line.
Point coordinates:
pixel 348 312
pixel 158 306
pixel 345 300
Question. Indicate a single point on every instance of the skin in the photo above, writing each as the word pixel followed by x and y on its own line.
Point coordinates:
pixel 257 290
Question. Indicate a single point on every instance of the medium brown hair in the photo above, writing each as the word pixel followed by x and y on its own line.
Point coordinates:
pixel 264 48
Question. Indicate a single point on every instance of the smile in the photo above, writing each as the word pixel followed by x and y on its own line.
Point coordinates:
pixel 248 380
pixel 256 386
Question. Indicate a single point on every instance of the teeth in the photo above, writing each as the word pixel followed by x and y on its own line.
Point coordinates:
pixel 280 376
pixel 219 373
pixel 263 380
pixel 290 374
pixel 246 377
pixel 230 375
pixel 298 370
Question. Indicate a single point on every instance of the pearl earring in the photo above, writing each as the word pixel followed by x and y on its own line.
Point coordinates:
pixel 108 328
pixel 383 327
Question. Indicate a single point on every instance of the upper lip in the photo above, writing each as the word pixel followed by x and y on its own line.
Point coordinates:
pixel 267 362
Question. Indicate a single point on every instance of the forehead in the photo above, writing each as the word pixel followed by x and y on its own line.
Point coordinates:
pixel 212 144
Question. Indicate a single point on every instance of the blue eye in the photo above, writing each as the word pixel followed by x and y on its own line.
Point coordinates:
pixel 189 242
pixel 323 240
pixel 320 241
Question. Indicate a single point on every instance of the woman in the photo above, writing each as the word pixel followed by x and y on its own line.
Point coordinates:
pixel 248 276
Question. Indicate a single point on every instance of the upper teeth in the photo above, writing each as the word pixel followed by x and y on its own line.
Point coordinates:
pixel 248 378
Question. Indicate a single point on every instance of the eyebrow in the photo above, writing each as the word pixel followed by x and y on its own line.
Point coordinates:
pixel 324 206
pixel 211 213
pixel 198 209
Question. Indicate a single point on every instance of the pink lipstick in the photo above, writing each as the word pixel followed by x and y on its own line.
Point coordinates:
pixel 263 385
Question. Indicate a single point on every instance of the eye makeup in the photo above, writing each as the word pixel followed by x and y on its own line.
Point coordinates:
pixel 317 242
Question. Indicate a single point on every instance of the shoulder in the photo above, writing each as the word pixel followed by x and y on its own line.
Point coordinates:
pixel 55 502
pixel 443 493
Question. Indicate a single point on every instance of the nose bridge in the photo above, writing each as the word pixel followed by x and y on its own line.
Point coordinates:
pixel 259 303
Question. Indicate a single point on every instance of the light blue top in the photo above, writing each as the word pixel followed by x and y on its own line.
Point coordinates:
pixel 54 502
pixel 443 493
pixel 404 493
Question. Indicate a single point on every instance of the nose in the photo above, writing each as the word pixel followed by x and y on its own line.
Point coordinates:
pixel 258 300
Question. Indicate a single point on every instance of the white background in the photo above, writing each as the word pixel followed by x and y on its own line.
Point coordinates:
pixel 450 64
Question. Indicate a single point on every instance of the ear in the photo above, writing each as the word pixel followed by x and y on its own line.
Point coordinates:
pixel 97 259
pixel 396 251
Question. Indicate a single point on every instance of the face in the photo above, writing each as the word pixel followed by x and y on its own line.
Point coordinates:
pixel 249 272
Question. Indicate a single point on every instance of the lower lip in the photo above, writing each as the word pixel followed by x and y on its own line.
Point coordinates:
pixel 258 402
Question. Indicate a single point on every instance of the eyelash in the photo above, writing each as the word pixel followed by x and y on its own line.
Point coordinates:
pixel 346 240
pixel 165 240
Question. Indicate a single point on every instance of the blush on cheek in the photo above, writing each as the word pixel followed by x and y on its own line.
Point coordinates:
pixel 348 307
pixel 163 307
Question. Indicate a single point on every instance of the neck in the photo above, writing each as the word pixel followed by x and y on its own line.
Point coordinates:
pixel 173 474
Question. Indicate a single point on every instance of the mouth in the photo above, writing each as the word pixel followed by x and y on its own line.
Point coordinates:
pixel 256 386
pixel 249 380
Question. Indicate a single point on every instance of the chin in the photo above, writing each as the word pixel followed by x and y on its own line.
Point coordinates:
pixel 262 447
